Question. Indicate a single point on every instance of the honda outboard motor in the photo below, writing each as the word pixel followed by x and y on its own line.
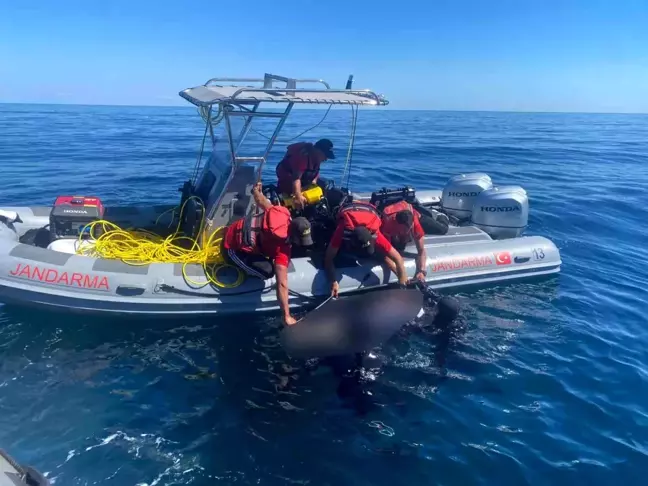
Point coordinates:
pixel 460 192
pixel 502 212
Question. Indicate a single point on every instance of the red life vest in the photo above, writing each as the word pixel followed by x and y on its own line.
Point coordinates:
pixel 357 214
pixel 287 166
pixel 391 228
pixel 254 228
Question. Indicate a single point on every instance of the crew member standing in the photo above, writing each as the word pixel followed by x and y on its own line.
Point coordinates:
pixel 401 225
pixel 358 232
pixel 300 168
pixel 260 244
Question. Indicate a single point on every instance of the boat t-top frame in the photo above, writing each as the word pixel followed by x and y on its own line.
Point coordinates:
pixel 226 99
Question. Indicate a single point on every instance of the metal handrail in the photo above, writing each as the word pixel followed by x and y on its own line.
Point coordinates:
pixel 321 81
pixel 291 90
pixel 358 92
pixel 263 80
pixel 235 80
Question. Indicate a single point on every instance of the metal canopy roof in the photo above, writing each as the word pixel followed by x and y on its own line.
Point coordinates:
pixel 211 93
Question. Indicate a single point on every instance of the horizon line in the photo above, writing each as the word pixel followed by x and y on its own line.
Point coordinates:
pixel 440 110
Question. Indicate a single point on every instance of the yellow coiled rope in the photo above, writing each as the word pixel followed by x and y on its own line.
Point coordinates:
pixel 142 247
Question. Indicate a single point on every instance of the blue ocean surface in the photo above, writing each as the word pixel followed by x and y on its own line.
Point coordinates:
pixel 543 384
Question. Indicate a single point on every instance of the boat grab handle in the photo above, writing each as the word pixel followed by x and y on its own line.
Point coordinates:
pixel 130 290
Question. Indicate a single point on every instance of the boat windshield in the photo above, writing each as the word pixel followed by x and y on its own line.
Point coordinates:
pixel 217 170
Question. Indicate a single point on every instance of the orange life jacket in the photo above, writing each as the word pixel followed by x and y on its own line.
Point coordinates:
pixel 251 230
pixel 357 214
pixel 389 216
pixel 391 228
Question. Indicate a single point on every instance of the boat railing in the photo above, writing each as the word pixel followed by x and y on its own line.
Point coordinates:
pixel 285 91
pixel 267 81
pixel 290 92
pixel 277 89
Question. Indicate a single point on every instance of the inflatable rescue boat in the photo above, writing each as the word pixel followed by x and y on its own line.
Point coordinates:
pixel 476 232
pixel 13 474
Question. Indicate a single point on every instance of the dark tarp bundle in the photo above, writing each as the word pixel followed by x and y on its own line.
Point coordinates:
pixel 352 324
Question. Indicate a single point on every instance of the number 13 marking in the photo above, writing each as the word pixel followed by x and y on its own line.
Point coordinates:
pixel 538 254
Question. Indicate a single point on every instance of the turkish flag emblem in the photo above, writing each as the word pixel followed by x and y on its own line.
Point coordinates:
pixel 503 258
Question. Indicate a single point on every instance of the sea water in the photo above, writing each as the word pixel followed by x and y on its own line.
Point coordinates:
pixel 542 383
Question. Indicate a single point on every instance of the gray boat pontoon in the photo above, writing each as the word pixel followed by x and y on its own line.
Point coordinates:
pixel 483 244
pixel 13 474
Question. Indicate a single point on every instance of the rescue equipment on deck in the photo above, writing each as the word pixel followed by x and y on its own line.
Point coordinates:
pixel 71 215
pixel 313 195
pixel 142 247
pixel 385 197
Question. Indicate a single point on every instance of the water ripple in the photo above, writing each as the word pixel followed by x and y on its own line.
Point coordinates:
pixel 541 383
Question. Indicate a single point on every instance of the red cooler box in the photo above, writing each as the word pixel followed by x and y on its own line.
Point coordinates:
pixel 71 214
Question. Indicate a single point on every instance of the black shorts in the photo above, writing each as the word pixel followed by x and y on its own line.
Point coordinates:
pixel 252 264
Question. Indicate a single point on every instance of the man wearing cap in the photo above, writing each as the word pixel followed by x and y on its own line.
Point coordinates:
pixel 260 244
pixel 358 232
pixel 401 225
pixel 300 167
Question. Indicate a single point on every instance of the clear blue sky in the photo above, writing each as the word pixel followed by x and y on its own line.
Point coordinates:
pixel 528 55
